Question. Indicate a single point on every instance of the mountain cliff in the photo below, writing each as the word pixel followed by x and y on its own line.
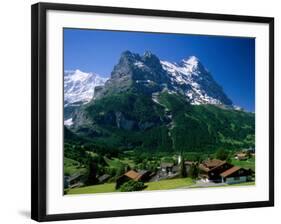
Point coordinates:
pixel 149 104
pixel 148 74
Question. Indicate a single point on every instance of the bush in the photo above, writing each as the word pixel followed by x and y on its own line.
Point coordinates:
pixel 132 186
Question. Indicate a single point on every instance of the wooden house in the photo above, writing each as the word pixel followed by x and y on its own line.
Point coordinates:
pixel 142 175
pixel 103 178
pixel 236 175
pixel 73 181
pixel 166 167
pixel 241 156
pixel 211 169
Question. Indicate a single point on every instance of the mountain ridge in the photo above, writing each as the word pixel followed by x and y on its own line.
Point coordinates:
pixel 147 72
pixel 149 104
pixel 167 122
pixel 188 77
pixel 79 86
pixel 79 89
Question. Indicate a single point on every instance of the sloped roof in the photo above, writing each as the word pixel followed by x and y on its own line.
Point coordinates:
pixel 104 177
pixel 204 168
pixel 189 162
pixel 213 163
pixel 208 165
pixel 133 175
pixel 241 154
pixel 164 165
pixel 74 176
pixel 142 172
pixel 230 171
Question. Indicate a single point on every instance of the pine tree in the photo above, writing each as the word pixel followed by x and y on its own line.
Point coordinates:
pixel 92 172
pixel 194 171
pixel 183 170
pixel 222 154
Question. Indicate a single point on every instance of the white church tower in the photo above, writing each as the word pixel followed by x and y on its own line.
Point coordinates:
pixel 179 159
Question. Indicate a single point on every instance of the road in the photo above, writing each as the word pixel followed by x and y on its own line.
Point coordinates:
pixel 200 183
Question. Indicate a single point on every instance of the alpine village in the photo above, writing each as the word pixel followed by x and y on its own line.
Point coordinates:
pixel 154 125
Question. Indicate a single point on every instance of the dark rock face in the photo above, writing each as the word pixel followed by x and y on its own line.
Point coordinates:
pixel 147 104
pixel 147 74
pixel 136 73
pixel 124 123
pixel 136 79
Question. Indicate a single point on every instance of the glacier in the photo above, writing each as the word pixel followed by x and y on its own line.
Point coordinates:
pixel 79 86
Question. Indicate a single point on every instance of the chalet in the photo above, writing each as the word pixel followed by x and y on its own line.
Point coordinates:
pixel 132 175
pixel 73 181
pixel 166 167
pixel 145 175
pixel 103 178
pixel 168 170
pixel 241 156
pixel 189 163
pixel 236 175
pixel 176 169
pixel 250 150
pixel 211 169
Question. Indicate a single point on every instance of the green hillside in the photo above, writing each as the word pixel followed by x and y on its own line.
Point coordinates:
pixel 128 121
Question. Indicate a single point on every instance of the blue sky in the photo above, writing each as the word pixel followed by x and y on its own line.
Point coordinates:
pixel 231 60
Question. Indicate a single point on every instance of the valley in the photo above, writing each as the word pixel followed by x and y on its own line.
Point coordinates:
pixel 151 121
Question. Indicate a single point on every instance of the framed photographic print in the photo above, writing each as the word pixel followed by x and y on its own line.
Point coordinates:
pixel 138 111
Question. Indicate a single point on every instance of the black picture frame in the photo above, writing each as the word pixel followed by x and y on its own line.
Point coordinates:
pixel 38 108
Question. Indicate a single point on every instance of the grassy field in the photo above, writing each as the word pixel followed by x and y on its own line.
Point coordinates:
pixel 71 167
pixel 169 184
pixel 114 163
pixel 128 161
pixel 100 188
pixel 159 185
pixel 247 164
pixel 110 187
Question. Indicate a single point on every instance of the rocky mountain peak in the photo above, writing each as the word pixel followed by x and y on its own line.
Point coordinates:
pixel 136 73
pixel 192 63
pixel 191 78
pixel 151 60
pixel 128 56
pixel 148 74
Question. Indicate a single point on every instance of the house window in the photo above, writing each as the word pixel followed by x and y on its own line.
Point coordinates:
pixel 236 178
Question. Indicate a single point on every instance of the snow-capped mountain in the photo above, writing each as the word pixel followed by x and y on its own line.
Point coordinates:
pixel 148 74
pixel 190 77
pixel 144 105
pixel 79 87
pixel 145 74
